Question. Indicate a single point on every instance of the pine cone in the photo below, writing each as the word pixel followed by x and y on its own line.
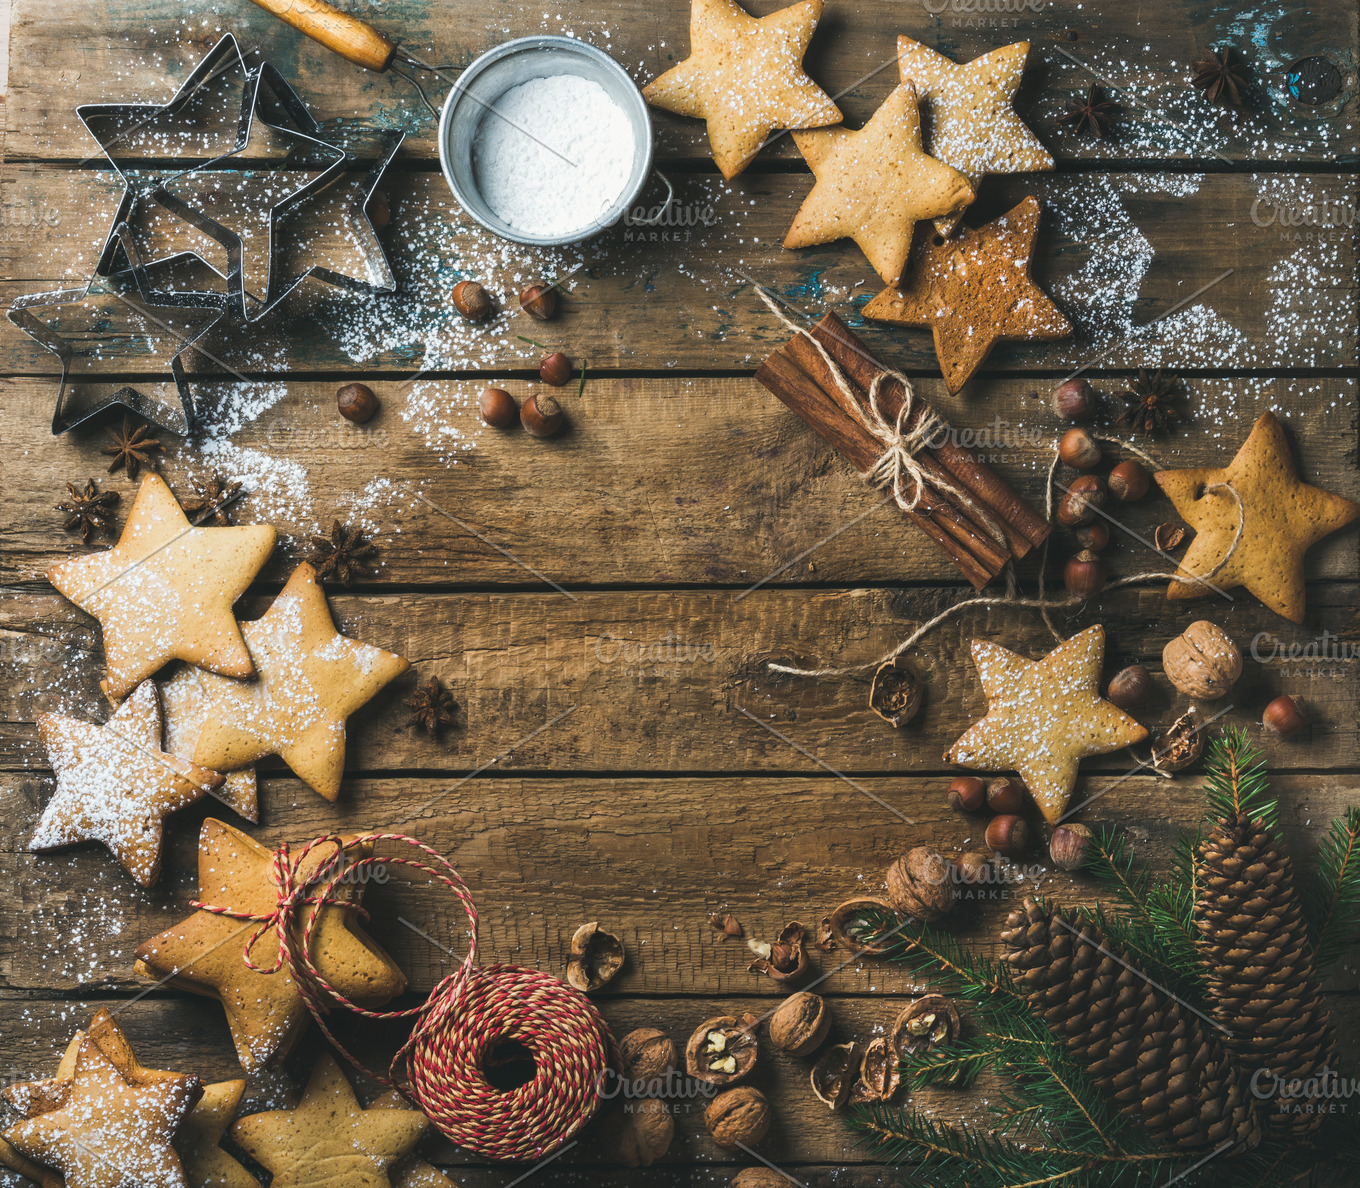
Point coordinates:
pixel 1260 964
pixel 1158 1061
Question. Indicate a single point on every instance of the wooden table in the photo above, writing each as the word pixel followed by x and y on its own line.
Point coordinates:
pixel 641 570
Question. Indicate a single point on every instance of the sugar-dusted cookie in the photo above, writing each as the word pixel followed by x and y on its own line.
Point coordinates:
pixel 411 1171
pixel 205 953
pixel 165 590
pixel 311 679
pixel 745 77
pixel 972 124
pixel 329 1141
pixel 115 785
pixel 184 700
pixel 873 185
pixel 1281 519
pixel 110 1132
pixel 1043 716
pixel 974 290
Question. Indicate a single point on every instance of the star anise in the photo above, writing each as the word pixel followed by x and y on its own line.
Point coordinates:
pixel 432 707
pixel 1091 115
pixel 211 502
pixel 90 510
pixel 132 448
pixel 342 554
pixel 1217 75
pixel 1151 403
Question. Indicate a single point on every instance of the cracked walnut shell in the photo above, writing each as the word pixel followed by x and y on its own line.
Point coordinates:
pixel 853 929
pixel 931 1022
pixel 835 1074
pixel 880 1074
pixel 787 959
pixel 722 1051
pixel 596 957
pixel 738 1117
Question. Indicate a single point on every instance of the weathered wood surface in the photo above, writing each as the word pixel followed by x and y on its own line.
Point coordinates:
pixel 661 481
pixel 677 681
pixel 98 52
pixel 1123 254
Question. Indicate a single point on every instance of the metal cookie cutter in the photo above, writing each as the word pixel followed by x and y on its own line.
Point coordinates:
pixel 131 292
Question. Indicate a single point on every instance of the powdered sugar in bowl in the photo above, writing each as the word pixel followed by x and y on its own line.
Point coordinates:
pixel 545 140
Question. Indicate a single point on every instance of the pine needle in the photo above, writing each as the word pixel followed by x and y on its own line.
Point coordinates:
pixel 1331 897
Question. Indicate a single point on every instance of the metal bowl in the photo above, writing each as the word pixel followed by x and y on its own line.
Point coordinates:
pixel 497 71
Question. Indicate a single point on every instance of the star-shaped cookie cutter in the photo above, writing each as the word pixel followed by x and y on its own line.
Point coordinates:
pixel 150 302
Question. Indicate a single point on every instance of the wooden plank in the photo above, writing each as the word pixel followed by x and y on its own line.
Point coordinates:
pixel 649 859
pixel 72 54
pixel 1125 255
pixel 667 681
pixel 661 481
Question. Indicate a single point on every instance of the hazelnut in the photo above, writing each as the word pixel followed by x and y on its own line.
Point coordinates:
pixel 835 1074
pixel 539 301
pixel 596 957
pixel 895 694
pixel 356 402
pixel 854 925
pixel 785 960
pixel 738 1118
pixel 542 416
pixel 932 1021
pixel 1202 661
pixel 759 1177
pixel 1073 400
pixel 1130 687
pixel 498 408
pixel 799 1024
pixel 1092 536
pixel 379 210
pixel 1128 482
pixel 920 884
pixel 1283 716
pixel 880 1073
pixel 637 1136
pixel 974 868
pixel 1008 834
pixel 1070 846
pixel 1079 450
pixel 722 1051
pixel 1005 794
pixel 1179 745
pixel 471 300
pixel 967 794
pixel 555 369
pixel 1082 501
pixel 649 1056
pixel 1084 574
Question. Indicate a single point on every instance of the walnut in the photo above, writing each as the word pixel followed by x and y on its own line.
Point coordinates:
pixel 921 884
pixel 852 928
pixel 759 1177
pixel 649 1056
pixel 786 959
pixel 1179 745
pixel 879 1073
pixel 596 956
pixel 738 1117
pixel 834 1075
pixel 722 1051
pixel 932 1021
pixel 1202 661
pixel 637 1134
pixel 895 694
pixel 800 1023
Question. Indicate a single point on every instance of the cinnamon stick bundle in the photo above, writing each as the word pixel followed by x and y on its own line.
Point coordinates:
pixel 955 509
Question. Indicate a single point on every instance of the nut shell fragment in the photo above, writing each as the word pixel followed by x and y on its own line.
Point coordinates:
pixel 1177 747
pixel 850 927
pixel 596 957
pixel 895 694
pixel 880 1075
pixel 787 959
pixel 834 1075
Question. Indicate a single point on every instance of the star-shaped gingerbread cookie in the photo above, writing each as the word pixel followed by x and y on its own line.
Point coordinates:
pixel 200 1137
pixel 974 290
pixel 972 124
pixel 745 77
pixel 205 953
pixel 329 1141
pixel 110 1132
pixel 165 590
pixel 1281 519
pixel 1043 716
pixel 873 185
pixel 185 698
pixel 115 785
pixel 311 679
pixel 412 1171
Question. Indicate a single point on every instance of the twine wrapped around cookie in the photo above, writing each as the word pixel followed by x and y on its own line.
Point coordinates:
pixel 469 1013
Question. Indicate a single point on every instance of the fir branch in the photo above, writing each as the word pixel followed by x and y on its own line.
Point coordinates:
pixel 956 1066
pixel 933 953
pixel 1331 897
pixel 1236 780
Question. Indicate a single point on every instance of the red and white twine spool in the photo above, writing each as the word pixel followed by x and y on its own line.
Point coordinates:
pixel 467 1015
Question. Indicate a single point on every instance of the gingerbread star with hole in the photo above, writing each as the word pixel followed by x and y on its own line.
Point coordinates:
pixel 329 1141
pixel 205 953
pixel 1281 519
pixel 873 185
pixel 165 590
pixel 311 679
pixel 1043 717
pixel 745 77
pixel 110 1132
pixel 972 124
pixel 116 785
pixel 974 290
